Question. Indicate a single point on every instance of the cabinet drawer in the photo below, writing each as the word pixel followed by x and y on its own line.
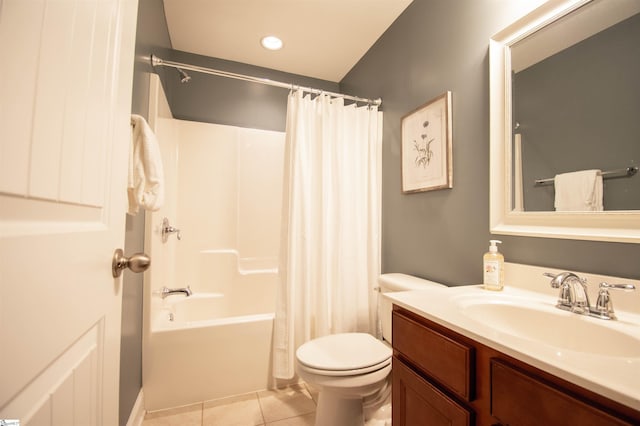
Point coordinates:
pixel 417 402
pixel 440 357
pixel 518 398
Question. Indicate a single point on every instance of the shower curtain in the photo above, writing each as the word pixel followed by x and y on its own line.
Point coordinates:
pixel 330 246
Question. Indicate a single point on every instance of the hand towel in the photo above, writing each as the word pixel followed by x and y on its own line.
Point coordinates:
pixel 146 175
pixel 579 191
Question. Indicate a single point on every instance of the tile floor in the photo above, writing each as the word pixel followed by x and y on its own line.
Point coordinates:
pixel 291 406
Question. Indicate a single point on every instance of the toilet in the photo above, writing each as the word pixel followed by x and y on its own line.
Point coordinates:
pixel 351 369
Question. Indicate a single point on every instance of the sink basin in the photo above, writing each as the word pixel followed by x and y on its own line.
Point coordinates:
pixel 544 323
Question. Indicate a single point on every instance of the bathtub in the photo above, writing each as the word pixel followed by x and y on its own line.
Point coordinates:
pixel 201 348
pixel 200 310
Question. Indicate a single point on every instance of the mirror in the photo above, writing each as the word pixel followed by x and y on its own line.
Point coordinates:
pixel 534 138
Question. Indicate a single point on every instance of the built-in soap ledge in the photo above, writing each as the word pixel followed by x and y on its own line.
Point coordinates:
pixel 530 278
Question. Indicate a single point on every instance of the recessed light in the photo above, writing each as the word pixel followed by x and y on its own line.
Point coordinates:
pixel 271 43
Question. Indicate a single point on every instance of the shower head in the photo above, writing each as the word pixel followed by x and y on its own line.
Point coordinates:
pixel 184 77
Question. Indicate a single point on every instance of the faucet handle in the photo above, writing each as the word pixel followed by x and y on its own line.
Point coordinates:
pixel 168 229
pixel 604 304
pixel 625 287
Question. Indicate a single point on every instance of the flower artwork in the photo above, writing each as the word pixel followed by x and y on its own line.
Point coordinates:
pixel 426 146
pixel 423 149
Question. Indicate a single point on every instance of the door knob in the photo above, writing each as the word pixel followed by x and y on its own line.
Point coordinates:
pixel 138 262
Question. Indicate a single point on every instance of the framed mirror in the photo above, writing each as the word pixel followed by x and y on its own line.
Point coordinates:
pixel 543 124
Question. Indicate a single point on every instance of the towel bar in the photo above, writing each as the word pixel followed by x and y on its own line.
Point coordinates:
pixel 626 172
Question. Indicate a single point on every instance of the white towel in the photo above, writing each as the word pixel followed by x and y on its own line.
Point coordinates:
pixel 146 175
pixel 579 191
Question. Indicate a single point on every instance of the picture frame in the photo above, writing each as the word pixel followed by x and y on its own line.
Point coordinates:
pixel 426 146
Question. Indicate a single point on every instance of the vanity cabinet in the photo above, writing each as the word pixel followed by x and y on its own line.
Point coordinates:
pixel 443 378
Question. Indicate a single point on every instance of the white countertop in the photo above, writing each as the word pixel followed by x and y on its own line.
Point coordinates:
pixel 615 377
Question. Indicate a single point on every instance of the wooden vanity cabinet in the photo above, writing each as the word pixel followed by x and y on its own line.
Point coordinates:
pixel 443 378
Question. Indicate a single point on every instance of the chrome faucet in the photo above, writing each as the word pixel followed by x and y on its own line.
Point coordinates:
pixel 171 291
pixel 574 297
pixel 573 292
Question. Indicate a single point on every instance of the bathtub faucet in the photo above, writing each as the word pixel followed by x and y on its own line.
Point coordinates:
pixel 170 291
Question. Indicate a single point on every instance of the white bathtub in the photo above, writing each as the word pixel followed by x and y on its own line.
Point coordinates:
pixel 200 348
pixel 197 310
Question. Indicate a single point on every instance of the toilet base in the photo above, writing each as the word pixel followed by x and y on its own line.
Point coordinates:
pixel 336 410
pixel 377 407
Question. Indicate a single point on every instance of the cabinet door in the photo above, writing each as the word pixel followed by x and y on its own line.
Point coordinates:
pixel 446 360
pixel 417 402
pixel 518 398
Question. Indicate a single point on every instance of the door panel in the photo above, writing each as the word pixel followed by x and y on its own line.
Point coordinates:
pixel 19 21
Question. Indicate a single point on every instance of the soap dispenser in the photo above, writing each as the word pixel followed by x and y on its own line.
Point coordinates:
pixel 493 267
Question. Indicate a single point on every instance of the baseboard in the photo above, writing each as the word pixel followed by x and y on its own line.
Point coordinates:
pixel 137 412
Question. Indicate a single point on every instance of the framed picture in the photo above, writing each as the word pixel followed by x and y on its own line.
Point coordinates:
pixel 426 147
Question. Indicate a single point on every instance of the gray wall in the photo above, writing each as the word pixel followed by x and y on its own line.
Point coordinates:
pixel 599 122
pixel 434 46
pixel 222 100
pixel 152 36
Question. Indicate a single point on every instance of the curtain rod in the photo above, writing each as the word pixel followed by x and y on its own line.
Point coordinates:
pixel 155 61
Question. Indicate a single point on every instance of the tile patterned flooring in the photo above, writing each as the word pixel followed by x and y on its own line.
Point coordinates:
pixel 291 406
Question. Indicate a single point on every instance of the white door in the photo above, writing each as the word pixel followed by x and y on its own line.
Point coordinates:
pixel 65 98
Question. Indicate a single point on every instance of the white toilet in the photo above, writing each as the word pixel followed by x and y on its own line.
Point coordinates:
pixel 348 367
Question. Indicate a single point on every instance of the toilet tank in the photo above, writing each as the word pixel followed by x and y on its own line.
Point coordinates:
pixel 397 282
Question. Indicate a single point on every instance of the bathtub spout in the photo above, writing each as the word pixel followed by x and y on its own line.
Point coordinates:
pixel 170 291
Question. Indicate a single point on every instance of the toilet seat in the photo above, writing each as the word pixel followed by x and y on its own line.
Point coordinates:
pixel 339 373
pixel 344 354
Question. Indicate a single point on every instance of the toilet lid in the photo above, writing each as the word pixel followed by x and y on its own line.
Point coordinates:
pixel 343 352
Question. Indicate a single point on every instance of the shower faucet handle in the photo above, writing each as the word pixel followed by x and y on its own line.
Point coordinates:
pixel 168 229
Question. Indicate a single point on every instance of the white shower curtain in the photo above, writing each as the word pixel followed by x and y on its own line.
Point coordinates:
pixel 330 247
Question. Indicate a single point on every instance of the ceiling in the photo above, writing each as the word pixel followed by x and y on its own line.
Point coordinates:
pixel 322 38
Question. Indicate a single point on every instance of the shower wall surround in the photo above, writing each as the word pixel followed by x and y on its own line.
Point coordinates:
pixel 223 190
pixel 229 195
